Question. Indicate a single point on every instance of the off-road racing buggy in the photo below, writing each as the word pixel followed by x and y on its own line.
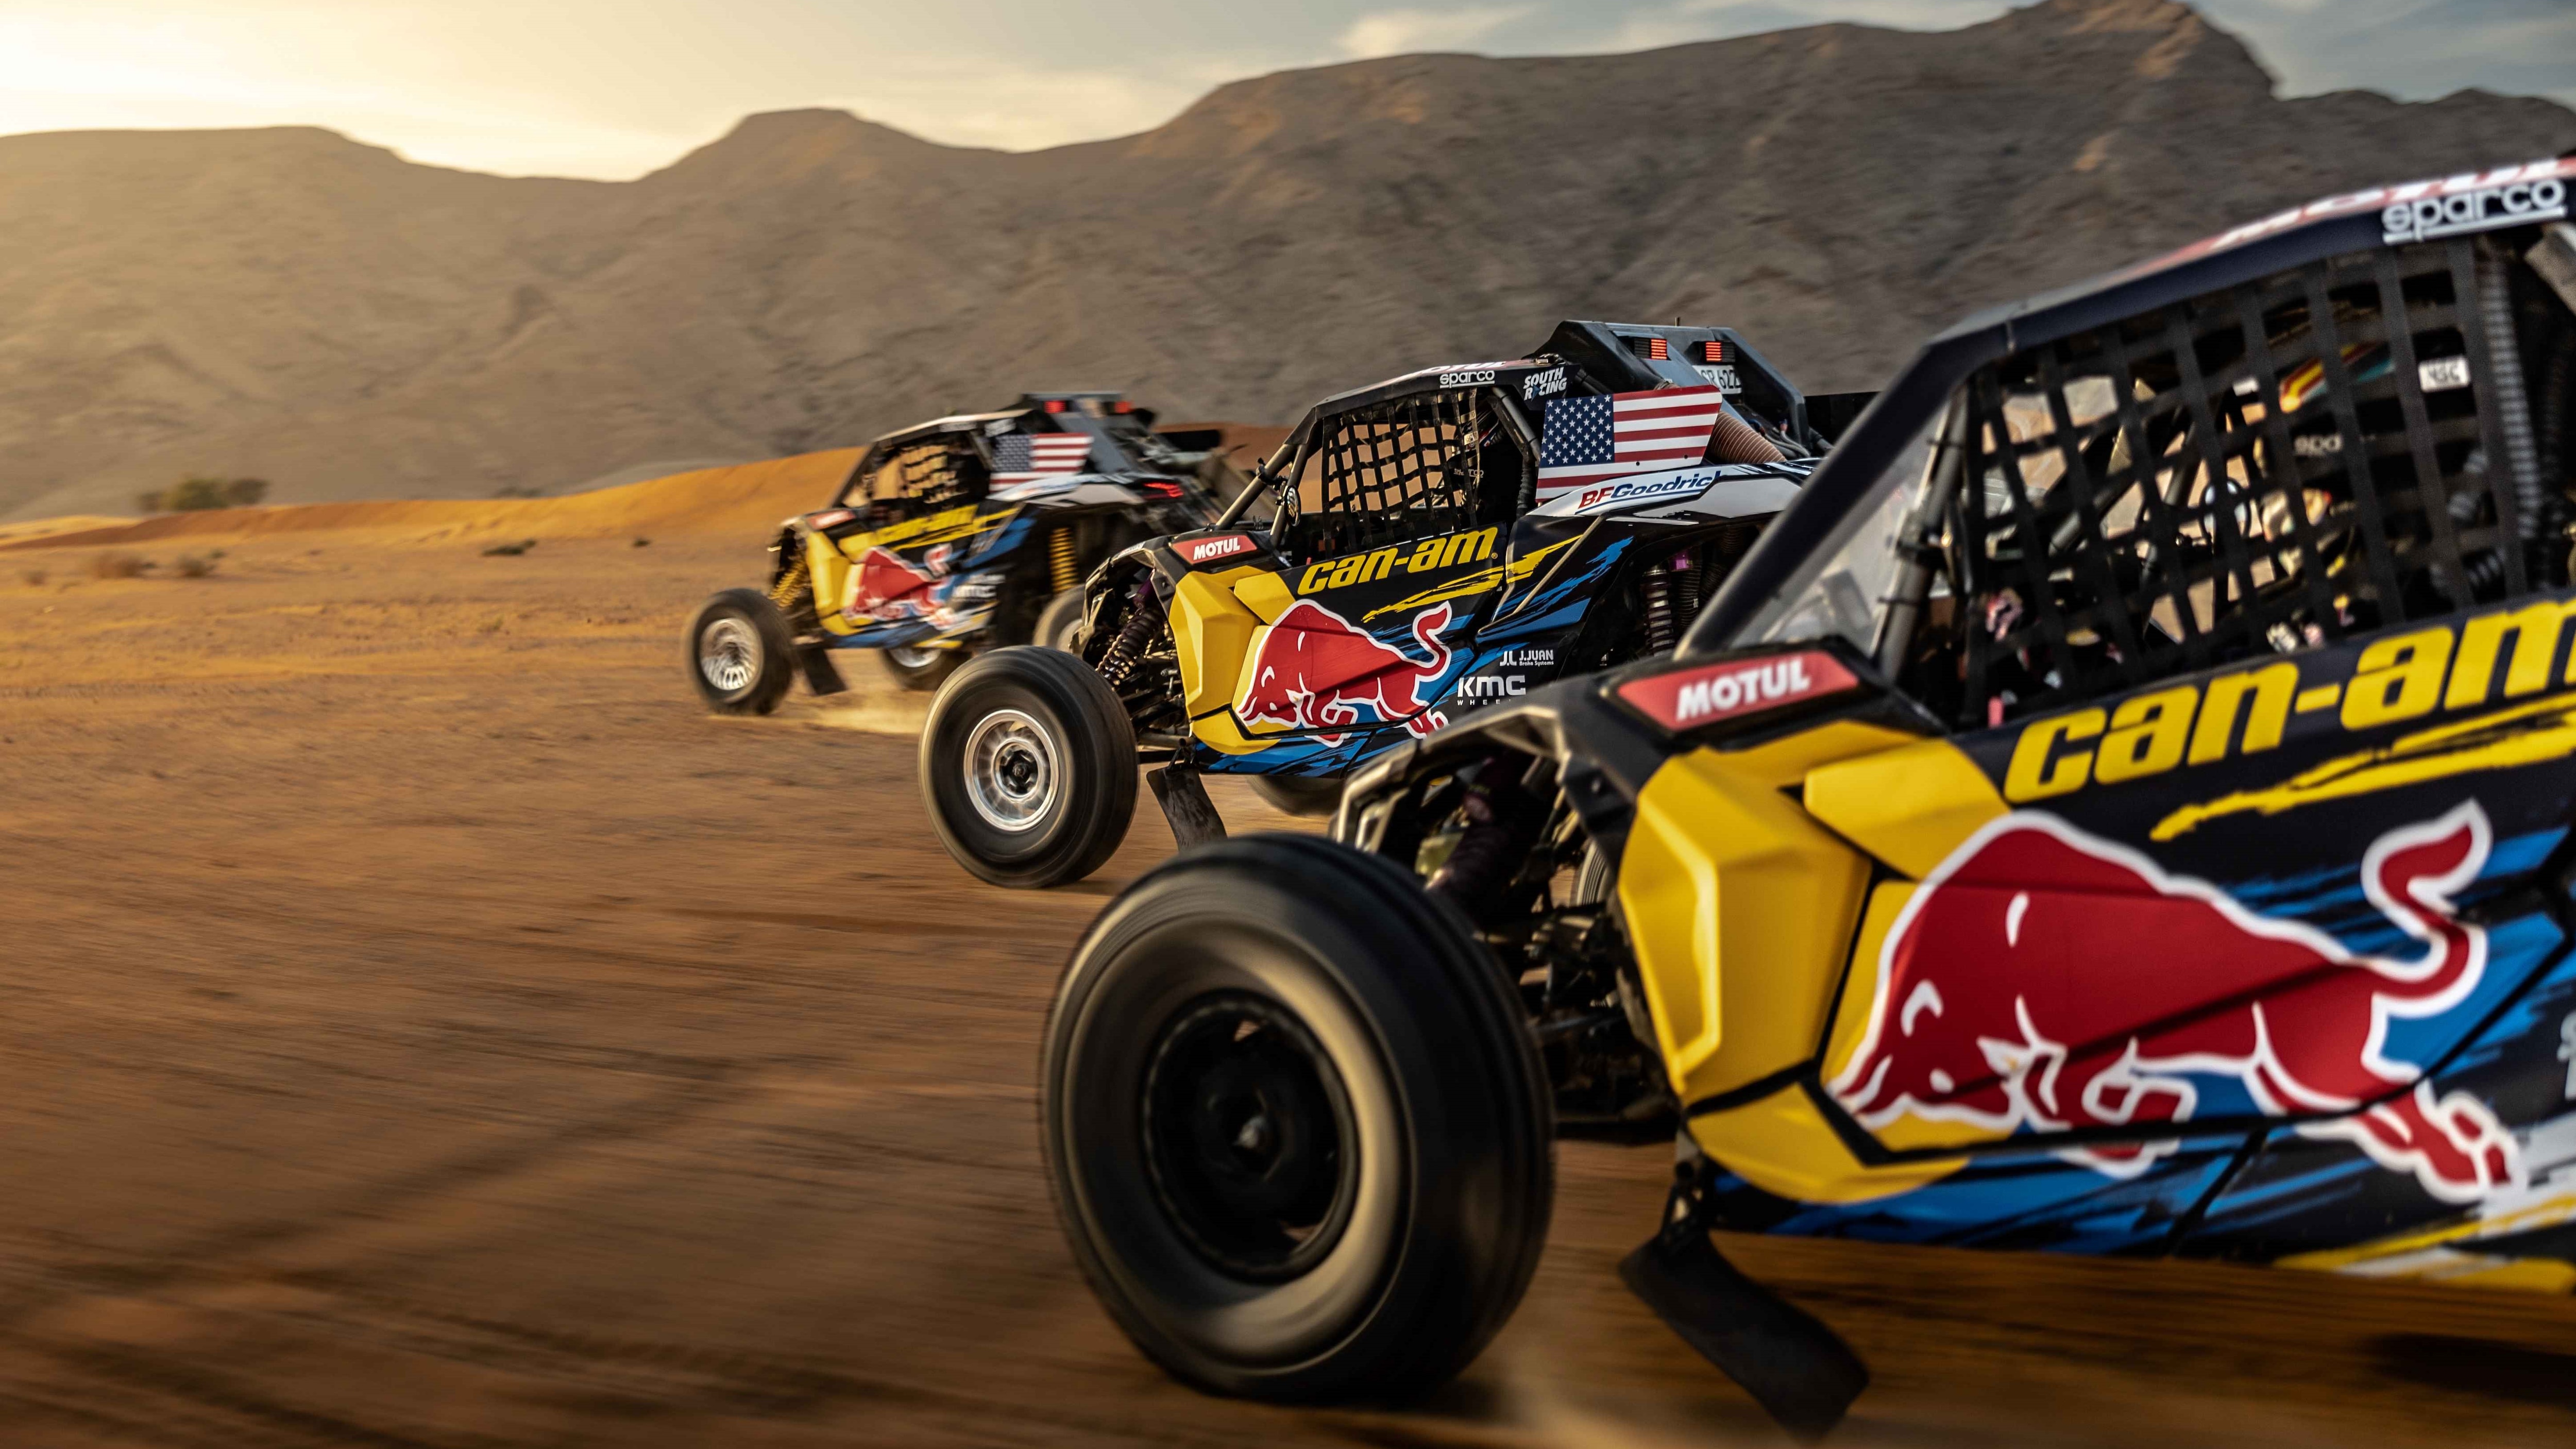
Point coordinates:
pixel 1438 542
pixel 952 536
pixel 2122 806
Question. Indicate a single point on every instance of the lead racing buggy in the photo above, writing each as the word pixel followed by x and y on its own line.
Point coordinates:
pixel 1438 542
pixel 951 536
pixel 2122 806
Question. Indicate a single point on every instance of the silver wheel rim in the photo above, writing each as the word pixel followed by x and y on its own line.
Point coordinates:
pixel 910 656
pixel 1011 771
pixel 729 654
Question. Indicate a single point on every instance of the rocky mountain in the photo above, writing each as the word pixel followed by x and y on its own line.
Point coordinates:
pixel 292 304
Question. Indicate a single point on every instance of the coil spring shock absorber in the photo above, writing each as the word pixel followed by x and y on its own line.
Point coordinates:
pixel 1659 609
pixel 1144 615
pixel 1685 590
pixel 1060 560
pixel 791 584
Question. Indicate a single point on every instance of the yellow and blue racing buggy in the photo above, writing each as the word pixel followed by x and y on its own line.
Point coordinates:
pixel 1437 543
pixel 953 536
pixel 2123 805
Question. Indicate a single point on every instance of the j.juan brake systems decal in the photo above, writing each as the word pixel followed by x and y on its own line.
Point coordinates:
pixel 1689 698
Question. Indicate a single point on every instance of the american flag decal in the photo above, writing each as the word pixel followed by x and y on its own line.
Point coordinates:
pixel 1028 457
pixel 1591 439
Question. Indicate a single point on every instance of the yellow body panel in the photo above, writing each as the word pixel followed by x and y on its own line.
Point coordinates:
pixel 1215 617
pixel 1909 807
pixel 1723 870
pixel 1211 629
pixel 1782 1144
pixel 830 570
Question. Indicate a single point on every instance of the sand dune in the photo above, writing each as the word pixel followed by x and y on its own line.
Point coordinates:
pixel 740 499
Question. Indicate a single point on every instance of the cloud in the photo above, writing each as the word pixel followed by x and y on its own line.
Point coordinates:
pixel 1404 32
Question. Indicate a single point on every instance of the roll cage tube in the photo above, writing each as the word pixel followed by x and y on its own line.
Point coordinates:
pixel 1263 477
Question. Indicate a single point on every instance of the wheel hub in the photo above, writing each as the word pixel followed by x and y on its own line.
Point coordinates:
pixel 729 654
pixel 1248 1137
pixel 1011 771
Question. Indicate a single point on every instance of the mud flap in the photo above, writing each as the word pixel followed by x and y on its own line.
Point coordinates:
pixel 1794 1366
pixel 1186 807
pixel 822 676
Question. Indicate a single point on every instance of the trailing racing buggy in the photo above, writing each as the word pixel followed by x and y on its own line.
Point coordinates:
pixel 1438 542
pixel 951 536
pixel 2121 806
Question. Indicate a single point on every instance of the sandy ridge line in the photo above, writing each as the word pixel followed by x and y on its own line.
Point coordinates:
pixel 744 498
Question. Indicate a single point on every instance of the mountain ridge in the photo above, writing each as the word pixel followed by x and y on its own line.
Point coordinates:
pixel 297 305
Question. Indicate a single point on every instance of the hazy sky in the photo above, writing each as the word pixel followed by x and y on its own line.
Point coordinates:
pixel 614 88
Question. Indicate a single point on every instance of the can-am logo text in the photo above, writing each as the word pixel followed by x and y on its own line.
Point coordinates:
pixel 2427 217
pixel 1689 698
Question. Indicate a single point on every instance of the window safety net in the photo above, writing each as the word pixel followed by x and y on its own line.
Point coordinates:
pixel 1392 472
pixel 926 478
pixel 2317 454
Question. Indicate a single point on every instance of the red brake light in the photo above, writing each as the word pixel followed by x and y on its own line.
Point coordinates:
pixel 1713 350
pixel 1123 407
pixel 1055 405
pixel 1658 350
pixel 1685 699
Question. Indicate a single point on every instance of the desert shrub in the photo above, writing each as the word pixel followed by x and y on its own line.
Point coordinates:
pixel 643 543
pixel 117 566
pixel 191 495
pixel 192 567
pixel 35 577
pixel 510 550
pixel 513 490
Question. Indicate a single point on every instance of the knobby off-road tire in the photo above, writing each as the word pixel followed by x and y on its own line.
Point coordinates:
pixel 739 653
pixel 1028 765
pixel 924 669
pixel 1061 623
pixel 1308 795
pixel 1297 1132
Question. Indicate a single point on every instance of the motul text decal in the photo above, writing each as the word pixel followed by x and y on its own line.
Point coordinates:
pixel 1688 698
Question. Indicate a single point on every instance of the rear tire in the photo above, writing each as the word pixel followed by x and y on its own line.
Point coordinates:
pixel 1062 623
pixel 1297 1134
pixel 739 653
pixel 915 667
pixel 1309 795
pixel 1028 767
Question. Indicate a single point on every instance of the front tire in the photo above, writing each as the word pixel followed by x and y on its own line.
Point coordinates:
pixel 916 667
pixel 1028 767
pixel 1297 1133
pixel 739 653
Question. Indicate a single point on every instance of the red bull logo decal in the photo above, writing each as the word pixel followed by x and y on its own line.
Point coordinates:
pixel 1312 669
pixel 885 588
pixel 2047 979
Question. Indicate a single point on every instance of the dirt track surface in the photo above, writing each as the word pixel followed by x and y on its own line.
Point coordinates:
pixel 422 1026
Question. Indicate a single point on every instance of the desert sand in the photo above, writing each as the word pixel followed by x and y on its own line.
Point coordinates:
pixel 422 1025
